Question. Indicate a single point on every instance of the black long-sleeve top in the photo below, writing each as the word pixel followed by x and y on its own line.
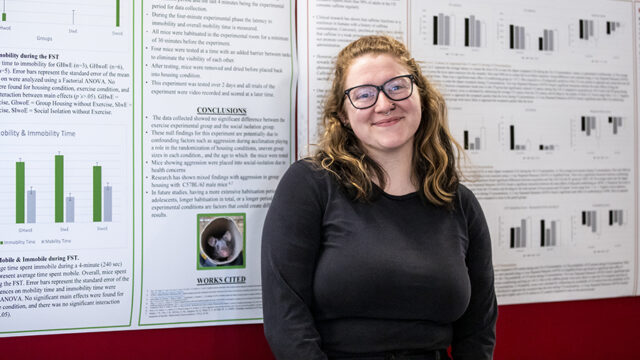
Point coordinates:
pixel 396 273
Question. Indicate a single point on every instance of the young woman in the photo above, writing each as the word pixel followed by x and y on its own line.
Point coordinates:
pixel 372 249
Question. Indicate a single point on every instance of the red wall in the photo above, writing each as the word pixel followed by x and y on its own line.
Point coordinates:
pixel 594 329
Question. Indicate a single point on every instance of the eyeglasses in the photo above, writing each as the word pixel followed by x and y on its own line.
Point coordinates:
pixel 396 89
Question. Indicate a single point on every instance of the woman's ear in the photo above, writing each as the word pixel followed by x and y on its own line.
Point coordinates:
pixel 344 119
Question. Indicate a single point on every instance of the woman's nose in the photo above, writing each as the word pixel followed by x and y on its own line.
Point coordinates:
pixel 384 104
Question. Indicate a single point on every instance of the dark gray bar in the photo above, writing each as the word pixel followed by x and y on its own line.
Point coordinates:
pixel 554 234
pixel 594 223
pixel 477 143
pixel 478 42
pixel 521 37
pixel 472 31
pixel 518 230
pixel 441 29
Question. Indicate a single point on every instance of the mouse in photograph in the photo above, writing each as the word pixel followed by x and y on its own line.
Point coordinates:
pixel 222 247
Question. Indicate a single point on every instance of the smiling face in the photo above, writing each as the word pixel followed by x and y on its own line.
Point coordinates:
pixel 388 126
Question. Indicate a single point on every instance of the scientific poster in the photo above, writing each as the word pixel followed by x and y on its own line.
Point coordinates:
pixel 66 165
pixel 541 96
pixel 218 107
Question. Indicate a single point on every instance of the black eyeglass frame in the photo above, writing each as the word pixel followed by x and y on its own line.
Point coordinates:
pixel 381 89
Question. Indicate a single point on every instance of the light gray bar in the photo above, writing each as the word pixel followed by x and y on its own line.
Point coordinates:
pixel 547 237
pixel 554 234
pixel 588 218
pixel 477 143
pixel 517 242
pixel 69 209
pixel 521 37
pixel 108 203
pixel 586 29
pixel 523 226
pixel 590 27
pixel 620 217
pixel 440 29
pixel 447 30
pixel 551 35
pixel 478 34
pixel 593 122
pixel 545 40
pixel 614 215
pixel 594 223
pixel 550 147
pixel 471 146
pixel 588 126
pixel 472 31
pixel 31 206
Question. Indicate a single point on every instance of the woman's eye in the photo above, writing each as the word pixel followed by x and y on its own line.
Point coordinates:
pixel 363 95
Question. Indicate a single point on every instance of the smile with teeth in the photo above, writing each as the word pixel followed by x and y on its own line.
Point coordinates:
pixel 387 122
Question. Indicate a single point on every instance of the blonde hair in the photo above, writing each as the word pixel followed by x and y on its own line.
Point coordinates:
pixel 340 152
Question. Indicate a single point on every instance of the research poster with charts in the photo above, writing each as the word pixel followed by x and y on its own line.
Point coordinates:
pixel 541 95
pixel 66 166
pixel 140 145
pixel 218 116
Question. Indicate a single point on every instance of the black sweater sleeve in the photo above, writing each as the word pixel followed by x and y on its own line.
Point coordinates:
pixel 474 333
pixel 291 239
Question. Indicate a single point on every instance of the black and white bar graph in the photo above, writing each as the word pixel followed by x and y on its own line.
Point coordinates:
pixel 586 29
pixel 516 37
pixel 612 26
pixel 518 235
pixel 615 217
pixel 589 219
pixel 546 41
pixel 588 125
pixel 616 123
pixel 472 32
pixel 548 233
pixel 442 29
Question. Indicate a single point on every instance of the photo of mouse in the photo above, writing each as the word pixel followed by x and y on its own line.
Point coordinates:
pixel 222 247
pixel 221 240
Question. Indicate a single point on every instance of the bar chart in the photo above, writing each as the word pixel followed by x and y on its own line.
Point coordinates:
pixel 512 141
pixel 599 225
pixel 444 29
pixel 517 37
pixel 519 236
pixel 587 29
pixel 476 140
pixel 90 13
pixel 64 206
pixel 474 32
pixel 595 32
pixel 598 130
pixel 548 41
pixel 549 232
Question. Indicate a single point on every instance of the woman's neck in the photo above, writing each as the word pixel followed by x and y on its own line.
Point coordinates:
pixel 398 168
